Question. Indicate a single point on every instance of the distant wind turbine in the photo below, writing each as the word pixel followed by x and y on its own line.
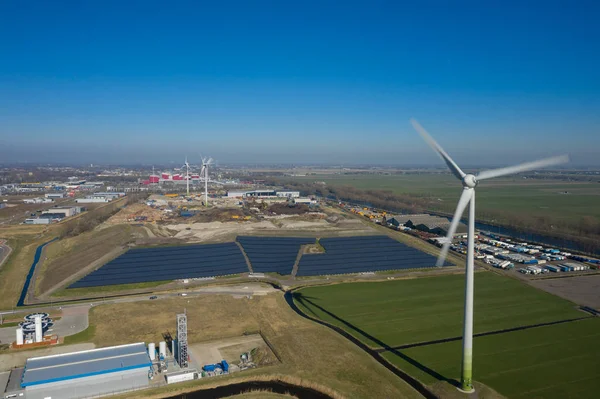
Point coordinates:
pixel 204 172
pixel 469 182
pixel 187 176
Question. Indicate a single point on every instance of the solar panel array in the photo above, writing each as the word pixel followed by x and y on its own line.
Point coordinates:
pixel 362 254
pixel 273 254
pixel 168 263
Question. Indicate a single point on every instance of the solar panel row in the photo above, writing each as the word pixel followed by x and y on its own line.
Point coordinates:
pixel 362 254
pixel 266 254
pixel 273 254
pixel 168 263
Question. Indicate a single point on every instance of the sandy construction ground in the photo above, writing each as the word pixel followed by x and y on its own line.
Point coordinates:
pixel 216 230
pixel 583 290
pixel 215 351
pixel 198 232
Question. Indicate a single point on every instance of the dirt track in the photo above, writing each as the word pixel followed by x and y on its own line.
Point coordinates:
pixel 5 251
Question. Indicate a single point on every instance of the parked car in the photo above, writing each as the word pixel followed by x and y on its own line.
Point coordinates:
pixel 153 297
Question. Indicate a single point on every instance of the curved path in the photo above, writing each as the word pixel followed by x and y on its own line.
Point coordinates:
pixel 5 251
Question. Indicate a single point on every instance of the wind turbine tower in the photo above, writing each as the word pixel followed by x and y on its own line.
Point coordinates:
pixel 469 182
pixel 204 172
pixel 187 176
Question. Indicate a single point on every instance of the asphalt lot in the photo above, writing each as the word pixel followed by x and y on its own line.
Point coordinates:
pixel 583 290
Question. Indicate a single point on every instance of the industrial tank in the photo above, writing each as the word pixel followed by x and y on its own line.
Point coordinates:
pixel 152 350
pixel 162 349
pixel 19 336
pixel 38 329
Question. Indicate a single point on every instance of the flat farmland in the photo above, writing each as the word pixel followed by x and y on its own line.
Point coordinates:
pixel 557 362
pixel 401 312
pixel 541 361
pixel 540 198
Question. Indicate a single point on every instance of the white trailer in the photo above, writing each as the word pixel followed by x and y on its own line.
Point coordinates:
pixel 182 376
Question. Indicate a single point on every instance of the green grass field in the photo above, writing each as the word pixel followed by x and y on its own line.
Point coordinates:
pixel 516 195
pixel 402 312
pixel 559 361
pixel 555 361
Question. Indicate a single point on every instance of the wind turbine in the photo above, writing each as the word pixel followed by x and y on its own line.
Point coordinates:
pixel 204 172
pixel 469 182
pixel 187 176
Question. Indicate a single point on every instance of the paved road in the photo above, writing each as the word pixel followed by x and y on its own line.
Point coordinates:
pixel 74 319
pixel 4 380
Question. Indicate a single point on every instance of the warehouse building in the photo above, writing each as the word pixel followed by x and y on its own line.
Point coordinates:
pixel 87 373
pixel 66 211
pixel 263 194
pixel 92 200
pixel 55 195
pixel 38 221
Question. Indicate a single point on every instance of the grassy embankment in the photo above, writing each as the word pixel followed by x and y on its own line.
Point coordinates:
pixel 24 240
pixel 15 268
pixel 66 257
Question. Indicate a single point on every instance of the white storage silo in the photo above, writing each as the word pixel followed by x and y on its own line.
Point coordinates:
pixel 38 329
pixel 152 350
pixel 162 349
pixel 19 336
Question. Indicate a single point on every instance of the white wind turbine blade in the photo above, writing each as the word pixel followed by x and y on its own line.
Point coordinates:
pixel 465 197
pixel 202 171
pixel 210 160
pixel 437 148
pixel 524 167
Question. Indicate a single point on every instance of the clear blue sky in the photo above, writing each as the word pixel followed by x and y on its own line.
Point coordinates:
pixel 304 81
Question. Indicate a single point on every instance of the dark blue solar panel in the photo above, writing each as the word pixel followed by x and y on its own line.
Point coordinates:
pixel 168 263
pixel 273 254
pixel 362 254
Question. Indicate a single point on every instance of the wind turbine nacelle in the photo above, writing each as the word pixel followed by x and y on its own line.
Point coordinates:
pixel 469 181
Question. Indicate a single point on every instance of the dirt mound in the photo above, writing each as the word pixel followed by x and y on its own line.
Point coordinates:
pixel 287 209
pixel 137 213
pixel 219 215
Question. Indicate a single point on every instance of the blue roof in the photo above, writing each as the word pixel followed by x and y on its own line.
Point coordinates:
pixel 47 369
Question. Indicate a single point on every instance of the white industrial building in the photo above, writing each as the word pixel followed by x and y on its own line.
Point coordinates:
pixel 92 200
pixel 263 194
pixel 37 200
pixel 83 374
pixel 100 197
pixel 68 211
pixel 55 195
pixel 38 221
